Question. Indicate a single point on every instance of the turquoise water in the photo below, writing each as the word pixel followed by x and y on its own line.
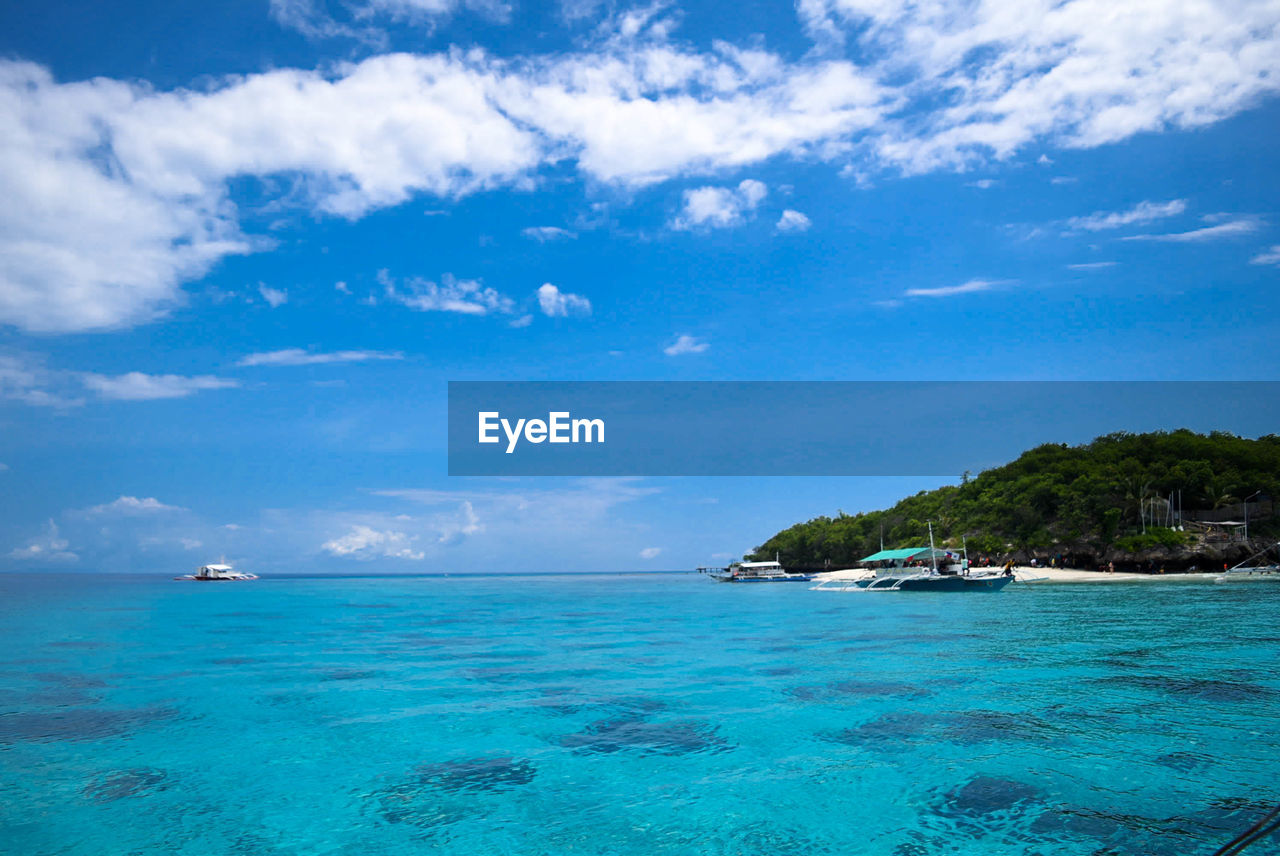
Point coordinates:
pixel 632 715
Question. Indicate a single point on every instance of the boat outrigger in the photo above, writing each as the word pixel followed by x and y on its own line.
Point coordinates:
pixel 217 573
pixel 756 572
pixel 1245 570
pixel 904 570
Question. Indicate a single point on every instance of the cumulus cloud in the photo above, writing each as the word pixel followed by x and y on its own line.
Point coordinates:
pixel 543 234
pixel 685 345
pixel 1229 229
pixel 49 547
pixel 1078 73
pixel 366 543
pixel 453 530
pixel 132 505
pixel 650 552
pixel 1143 212
pixel 793 221
pixel 274 296
pixel 118 193
pixel 555 303
pixel 137 386
pixel 719 207
pixel 299 357
pixel 465 296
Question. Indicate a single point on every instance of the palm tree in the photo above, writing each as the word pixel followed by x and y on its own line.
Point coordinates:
pixel 1218 496
pixel 1136 492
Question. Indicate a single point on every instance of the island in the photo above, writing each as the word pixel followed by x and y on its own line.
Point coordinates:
pixel 1163 502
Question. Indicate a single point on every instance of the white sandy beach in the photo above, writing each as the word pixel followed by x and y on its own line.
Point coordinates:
pixel 1025 573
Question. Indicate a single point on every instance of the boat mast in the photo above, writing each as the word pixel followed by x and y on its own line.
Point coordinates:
pixel 933 557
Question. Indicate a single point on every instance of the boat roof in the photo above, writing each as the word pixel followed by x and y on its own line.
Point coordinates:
pixel 759 565
pixel 217 567
pixel 904 553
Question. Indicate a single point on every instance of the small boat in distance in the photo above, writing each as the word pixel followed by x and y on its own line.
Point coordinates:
pixel 756 572
pixel 217 573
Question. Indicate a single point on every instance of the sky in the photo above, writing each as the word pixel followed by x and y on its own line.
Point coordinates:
pixel 245 246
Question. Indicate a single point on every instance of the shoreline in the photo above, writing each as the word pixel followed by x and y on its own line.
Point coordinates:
pixel 1026 573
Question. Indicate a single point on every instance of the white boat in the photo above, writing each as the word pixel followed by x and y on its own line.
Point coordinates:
pixel 217 573
pixel 1246 571
pixel 757 572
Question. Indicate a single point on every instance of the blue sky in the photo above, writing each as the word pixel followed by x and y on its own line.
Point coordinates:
pixel 246 245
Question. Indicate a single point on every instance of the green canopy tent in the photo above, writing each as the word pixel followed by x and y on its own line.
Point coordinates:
pixel 907 554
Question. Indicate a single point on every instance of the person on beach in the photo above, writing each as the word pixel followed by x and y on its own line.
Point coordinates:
pixel 1111 567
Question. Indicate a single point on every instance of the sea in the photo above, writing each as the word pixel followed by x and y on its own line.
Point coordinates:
pixel 633 715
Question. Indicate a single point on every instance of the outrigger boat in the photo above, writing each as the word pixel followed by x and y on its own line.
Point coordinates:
pixel 1245 570
pixel 217 573
pixel 756 572
pixel 893 571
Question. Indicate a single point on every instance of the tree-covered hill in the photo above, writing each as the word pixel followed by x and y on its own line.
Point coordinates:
pixel 1084 500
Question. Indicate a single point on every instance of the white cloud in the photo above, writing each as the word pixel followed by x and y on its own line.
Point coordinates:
pixel 1091 265
pixel 136 386
pixel 451 531
pixel 275 297
pixel 521 322
pixel 25 379
pixel 793 221
pixel 341 287
pixel 650 552
pixel 22 379
pixel 991 76
pixel 314 22
pixel 1269 257
pixel 465 296
pixel 583 508
pixel 366 543
pixel 685 345
pixel 719 207
pixel 4 468
pixel 970 287
pixel 299 357
pixel 543 234
pixel 47 548
pixel 1143 212
pixel 132 505
pixel 118 193
pixel 1229 229
pixel 316 19
pixel 983 183
pixel 190 543
pixel 555 303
